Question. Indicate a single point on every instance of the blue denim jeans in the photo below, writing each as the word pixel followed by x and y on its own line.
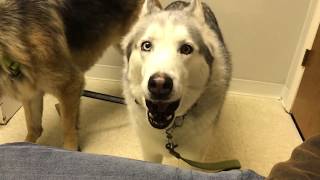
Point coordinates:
pixel 29 161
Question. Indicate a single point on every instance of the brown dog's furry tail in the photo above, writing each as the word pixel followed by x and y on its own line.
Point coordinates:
pixel 29 32
pixel 11 44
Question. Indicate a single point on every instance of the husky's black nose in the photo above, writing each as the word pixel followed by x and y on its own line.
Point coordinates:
pixel 160 86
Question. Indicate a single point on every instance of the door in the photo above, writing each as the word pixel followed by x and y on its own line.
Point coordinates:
pixel 306 108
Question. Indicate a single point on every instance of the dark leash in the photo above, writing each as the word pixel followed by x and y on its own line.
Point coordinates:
pixel 211 166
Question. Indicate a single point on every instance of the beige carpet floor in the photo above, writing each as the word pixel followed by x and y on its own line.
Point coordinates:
pixel 255 130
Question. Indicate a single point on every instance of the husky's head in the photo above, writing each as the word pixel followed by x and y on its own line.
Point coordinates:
pixel 168 59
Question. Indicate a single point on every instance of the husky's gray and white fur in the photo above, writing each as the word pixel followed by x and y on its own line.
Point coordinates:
pixel 176 65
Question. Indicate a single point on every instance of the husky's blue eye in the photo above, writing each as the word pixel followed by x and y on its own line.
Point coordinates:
pixel 146 46
pixel 186 49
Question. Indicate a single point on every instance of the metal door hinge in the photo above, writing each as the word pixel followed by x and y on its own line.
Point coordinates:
pixel 306 57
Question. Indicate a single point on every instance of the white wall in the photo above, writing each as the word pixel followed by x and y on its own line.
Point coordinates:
pixel 262 36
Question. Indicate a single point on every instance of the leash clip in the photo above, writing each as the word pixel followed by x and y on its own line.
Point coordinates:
pixel 170 147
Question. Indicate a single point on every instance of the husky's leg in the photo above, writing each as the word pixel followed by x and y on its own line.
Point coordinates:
pixel 33 108
pixel 150 150
pixel 150 156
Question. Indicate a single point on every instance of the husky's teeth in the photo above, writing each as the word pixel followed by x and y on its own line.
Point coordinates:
pixel 150 115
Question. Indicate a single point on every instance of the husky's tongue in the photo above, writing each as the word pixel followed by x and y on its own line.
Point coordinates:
pixel 161 114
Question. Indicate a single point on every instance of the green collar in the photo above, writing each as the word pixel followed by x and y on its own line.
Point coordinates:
pixel 12 67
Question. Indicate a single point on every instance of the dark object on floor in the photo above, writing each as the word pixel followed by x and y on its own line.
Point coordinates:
pixel 104 97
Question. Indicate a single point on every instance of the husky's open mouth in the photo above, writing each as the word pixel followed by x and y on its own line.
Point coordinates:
pixel 161 114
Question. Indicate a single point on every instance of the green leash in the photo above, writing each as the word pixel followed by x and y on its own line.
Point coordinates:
pixel 211 166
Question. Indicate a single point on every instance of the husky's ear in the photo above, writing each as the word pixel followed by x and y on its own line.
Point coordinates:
pixel 149 7
pixel 195 8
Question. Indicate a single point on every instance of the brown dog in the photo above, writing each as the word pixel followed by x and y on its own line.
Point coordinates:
pixel 47 45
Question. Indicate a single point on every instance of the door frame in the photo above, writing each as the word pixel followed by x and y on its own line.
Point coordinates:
pixel 306 40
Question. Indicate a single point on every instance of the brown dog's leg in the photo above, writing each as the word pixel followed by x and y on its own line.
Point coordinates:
pixel 33 108
pixel 69 103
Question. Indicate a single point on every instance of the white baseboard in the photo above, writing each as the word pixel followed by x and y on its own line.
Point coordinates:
pixel 238 86
pixel 105 72
pixel 286 99
pixel 256 88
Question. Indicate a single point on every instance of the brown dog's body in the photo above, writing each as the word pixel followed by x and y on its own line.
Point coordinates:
pixel 55 42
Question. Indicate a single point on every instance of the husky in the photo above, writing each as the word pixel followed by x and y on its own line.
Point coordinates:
pixel 176 73
pixel 47 45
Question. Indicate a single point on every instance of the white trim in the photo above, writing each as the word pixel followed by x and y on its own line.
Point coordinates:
pixel 105 72
pixel 306 41
pixel 255 88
